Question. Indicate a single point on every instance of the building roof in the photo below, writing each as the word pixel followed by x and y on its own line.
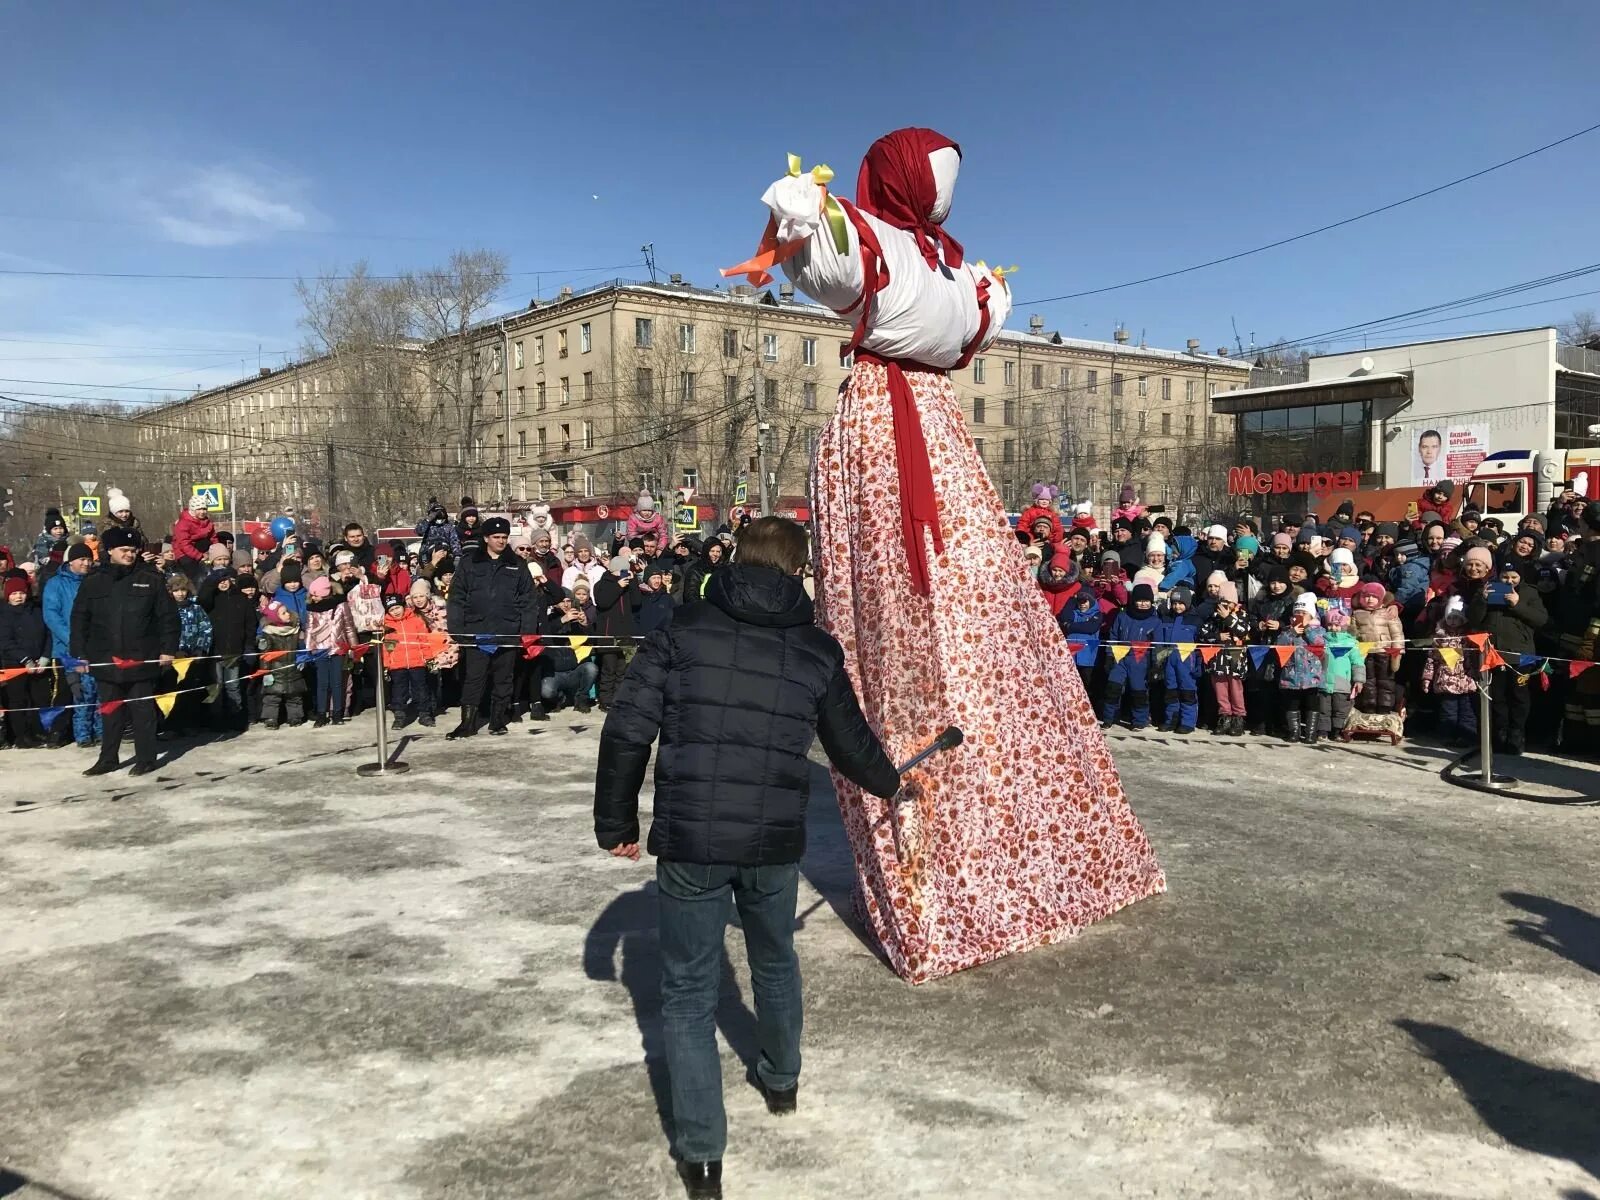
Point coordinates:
pixel 1378 385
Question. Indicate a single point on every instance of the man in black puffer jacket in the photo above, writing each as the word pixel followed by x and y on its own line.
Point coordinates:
pixel 491 603
pixel 736 687
pixel 124 611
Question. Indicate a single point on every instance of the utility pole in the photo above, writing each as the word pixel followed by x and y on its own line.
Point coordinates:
pixel 328 516
pixel 761 424
pixel 505 404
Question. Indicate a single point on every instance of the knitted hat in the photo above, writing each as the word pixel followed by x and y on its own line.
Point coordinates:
pixel 1409 548
pixel 1155 544
pixel 1149 576
pixel 1282 539
pixel 16 584
pixel 617 565
pixel 1450 543
pixel 246 580
pixel 1275 573
pixel 1388 529
pixel 1342 557
pixel 320 588
pixel 1478 554
pixel 1111 556
pixel 1216 577
pixel 1181 594
pixel 79 551
pixel 390 601
pixel 1350 533
pixel 198 504
pixel 344 558
pixel 1034 552
pixel 289 572
pixel 1229 594
pixel 1306 602
pixel 1372 588
pixel 1471 514
pixel 421 587
pixel 1247 543
pixel 1142 592
pixel 645 503
pixel 1335 617
pixel 218 552
pixel 117 501
pixel 279 614
pixel 1061 558
pixel 119 535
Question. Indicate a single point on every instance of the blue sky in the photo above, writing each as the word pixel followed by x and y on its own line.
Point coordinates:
pixel 1101 143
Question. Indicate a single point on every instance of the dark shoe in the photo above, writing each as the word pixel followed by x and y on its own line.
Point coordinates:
pixel 320 722
pixel 1142 725
pixel 537 713
pixel 426 719
pixel 781 1104
pixel 468 726
pixel 142 768
pixel 1184 730
pixel 102 768
pixel 584 706
pixel 498 729
pixel 1107 723
pixel 337 720
pixel 401 720
pixel 269 724
pixel 702 1181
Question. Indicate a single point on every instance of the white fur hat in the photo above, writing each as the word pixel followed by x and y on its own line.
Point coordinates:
pixel 117 501
pixel 1306 602
pixel 1156 544
pixel 1342 557
pixel 1148 575
pixel 1217 531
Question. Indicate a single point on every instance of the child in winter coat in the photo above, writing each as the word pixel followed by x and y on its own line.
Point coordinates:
pixel 1300 676
pixel 1269 616
pixel 1376 619
pixel 330 632
pixel 283 690
pixel 1111 580
pixel 1136 623
pixel 406 649
pixel 1043 508
pixel 1180 667
pixel 1451 674
pixel 194 640
pixel 1228 628
pixel 1344 672
pixel 1080 623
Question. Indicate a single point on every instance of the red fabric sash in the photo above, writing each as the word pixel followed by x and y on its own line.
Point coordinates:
pixel 919 509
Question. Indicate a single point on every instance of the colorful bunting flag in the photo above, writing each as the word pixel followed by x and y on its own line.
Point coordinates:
pixel 531 646
pixel 1140 649
pixel 125 663
pixel 1086 650
pixel 1317 649
pixel 1185 649
pixel 1341 651
pixel 1207 653
pixel 107 707
pixel 1284 653
pixel 1366 647
pixel 72 664
pixel 47 716
pixel 1527 660
pixel 1478 639
pixel 358 652
pixel 1451 657
pixel 273 656
pixel 1118 653
pixel 1492 659
pixel 181 666
pixel 1258 654
pixel 165 702
pixel 486 643
pixel 1577 667
pixel 580 647
pixel 11 673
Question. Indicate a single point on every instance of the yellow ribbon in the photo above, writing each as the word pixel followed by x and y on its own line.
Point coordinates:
pixel 165 701
pixel 1118 653
pixel 821 174
pixel 181 666
pixel 999 273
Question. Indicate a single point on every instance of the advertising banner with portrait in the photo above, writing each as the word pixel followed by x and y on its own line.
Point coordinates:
pixel 1448 451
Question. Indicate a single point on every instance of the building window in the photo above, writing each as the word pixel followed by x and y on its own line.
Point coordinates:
pixel 499 402
pixel 1064 378
pixel 566 391
pixel 538 350
pixel 1188 425
pixel 977 444
pixel 1188 390
pixel 500 449
pixel 1010 368
pixel 1166 387
pixel 1166 422
pixel 808 352
pixel 691 478
pixel 770 390
pixel 808 397
pixel 730 389
pixel 1116 421
pixel 769 347
pixel 1008 451
pixel 1038 376
pixel 1144 420
pixel 522 399
pixel 643 335
pixel 644 383
pixel 496 361
pixel 588 482
pixel 539 402
pixel 1094 383
pixel 566 439
pixel 588 435
pixel 686 339
pixel 979 370
pixel 522 443
pixel 477 451
pixel 561 343
pixel 585 337
pixel 588 386
pixel 977 410
pixel 544 441
pixel 730 343
pixel 847 359
pixel 1144 385
pixel 1091 455
pixel 686 387
pixel 1211 427
pixel 811 441
pixel 1116 383
pixel 516 355
pixel 1009 417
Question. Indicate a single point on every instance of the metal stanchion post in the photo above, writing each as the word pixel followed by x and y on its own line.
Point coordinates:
pixel 383 766
pixel 1483 779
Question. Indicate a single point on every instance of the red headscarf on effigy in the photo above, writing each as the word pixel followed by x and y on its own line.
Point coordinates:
pixel 896 185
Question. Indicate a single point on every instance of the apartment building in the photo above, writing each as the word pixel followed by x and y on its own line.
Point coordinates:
pixel 583 400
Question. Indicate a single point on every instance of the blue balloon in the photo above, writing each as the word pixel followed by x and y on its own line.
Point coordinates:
pixel 281 528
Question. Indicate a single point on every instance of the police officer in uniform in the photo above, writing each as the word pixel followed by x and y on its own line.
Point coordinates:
pixel 124 611
pixel 491 597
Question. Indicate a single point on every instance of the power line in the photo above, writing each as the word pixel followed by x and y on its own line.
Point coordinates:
pixel 1300 237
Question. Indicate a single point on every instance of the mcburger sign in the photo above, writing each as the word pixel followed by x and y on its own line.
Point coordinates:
pixel 1247 481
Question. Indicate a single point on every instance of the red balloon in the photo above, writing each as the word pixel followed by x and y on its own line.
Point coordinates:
pixel 263 540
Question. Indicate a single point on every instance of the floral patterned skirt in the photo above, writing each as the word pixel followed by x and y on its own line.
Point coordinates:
pixel 1022 835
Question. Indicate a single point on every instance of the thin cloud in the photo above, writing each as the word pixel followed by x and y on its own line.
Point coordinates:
pixel 227 206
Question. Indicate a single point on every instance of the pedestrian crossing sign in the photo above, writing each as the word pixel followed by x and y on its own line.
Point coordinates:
pixel 212 493
pixel 88 506
pixel 687 518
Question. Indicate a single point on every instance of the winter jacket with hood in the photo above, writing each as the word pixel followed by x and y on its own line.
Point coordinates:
pixel 233 617
pixel 24 637
pixel 128 613
pixel 492 595
pixel 1381 626
pixel 1510 628
pixel 736 689
pixel 1304 668
pixel 58 597
pixel 191 536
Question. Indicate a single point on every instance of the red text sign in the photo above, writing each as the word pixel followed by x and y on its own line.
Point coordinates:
pixel 1247 481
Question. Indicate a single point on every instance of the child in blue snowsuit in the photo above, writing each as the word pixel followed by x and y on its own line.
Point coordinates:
pixel 1180 672
pixel 1136 623
pixel 1080 622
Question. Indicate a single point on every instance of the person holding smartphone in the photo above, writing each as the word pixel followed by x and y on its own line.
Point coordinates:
pixel 1509 611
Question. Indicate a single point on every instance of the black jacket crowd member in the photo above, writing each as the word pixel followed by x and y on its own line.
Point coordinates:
pixel 124 611
pixel 491 603
pixel 736 689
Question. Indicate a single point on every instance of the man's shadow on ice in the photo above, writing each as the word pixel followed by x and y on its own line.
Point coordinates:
pixel 629 921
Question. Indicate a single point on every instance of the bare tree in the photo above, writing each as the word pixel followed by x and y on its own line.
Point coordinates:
pixel 1581 328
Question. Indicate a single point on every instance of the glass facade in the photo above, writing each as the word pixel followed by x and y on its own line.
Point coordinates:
pixel 1318 437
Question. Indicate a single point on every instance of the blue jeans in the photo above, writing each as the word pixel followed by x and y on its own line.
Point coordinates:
pixel 329 686
pixel 574 685
pixel 694 913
